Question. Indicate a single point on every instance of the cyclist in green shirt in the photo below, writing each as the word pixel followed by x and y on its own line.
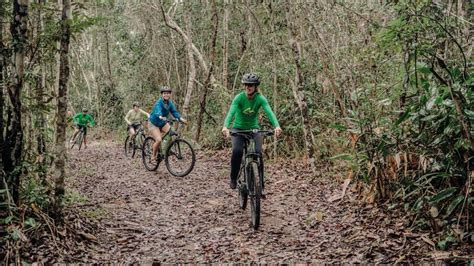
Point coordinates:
pixel 244 109
pixel 82 120
pixel 134 118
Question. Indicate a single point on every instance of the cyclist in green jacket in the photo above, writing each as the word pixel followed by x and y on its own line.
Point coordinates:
pixel 82 120
pixel 244 109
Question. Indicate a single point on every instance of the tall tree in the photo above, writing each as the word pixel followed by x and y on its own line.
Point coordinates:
pixel 40 79
pixel 192 69
pixel 2 82
pixel 298 88
pixel 14 136
pixel 60 171
pixel 202 110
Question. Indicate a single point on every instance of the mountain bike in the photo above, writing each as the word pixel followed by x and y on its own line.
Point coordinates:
pixel 178 154
pixel 79 138
pixel 250 179
pixel 136 143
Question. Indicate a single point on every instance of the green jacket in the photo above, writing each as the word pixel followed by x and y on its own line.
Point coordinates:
pixel 245 112
pixel 83 119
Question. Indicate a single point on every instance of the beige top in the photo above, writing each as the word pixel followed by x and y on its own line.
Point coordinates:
pixel 135 117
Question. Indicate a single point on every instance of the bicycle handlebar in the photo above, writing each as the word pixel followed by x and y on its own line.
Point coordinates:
pixel 172 120
pixel 264 133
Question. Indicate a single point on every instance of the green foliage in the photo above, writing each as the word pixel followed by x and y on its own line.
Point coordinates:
pixel 423 130
pixel 34 192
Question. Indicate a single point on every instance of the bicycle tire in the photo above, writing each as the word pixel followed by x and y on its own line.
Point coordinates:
pixel 178 150
pixel 147 150
pixel 80 139
pixel 243 196
pixel 253 181
pixel 129 151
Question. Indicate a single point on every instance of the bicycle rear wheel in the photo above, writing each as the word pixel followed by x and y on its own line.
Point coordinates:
pixel 180 158
pixel 147 152
pixel 255 192
pixel 129 149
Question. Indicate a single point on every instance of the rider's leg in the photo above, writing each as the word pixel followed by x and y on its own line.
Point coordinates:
pixel 131 132
pixel 156 134
pixel 236 159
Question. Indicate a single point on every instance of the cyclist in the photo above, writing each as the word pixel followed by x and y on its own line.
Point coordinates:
pixel 134 118
pixel 244 108
pixel 162 108
pixel 82 120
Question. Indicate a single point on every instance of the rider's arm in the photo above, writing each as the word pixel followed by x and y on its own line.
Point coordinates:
pixel 127 117
pixel 91 120
pixel 145 113
pixel 268 110
pixel 232 110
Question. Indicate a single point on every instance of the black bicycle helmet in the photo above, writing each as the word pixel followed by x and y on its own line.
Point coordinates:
pixel 137 104
pixel 251 78
pixel 84 110
pixel 165 89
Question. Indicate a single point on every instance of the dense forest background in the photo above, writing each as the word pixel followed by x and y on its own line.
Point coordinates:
pixel 382 87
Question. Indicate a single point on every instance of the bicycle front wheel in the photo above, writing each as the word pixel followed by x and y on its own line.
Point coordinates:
pixel 129 149
pixel 255 192
pixel 243 195
pixel 80 140
pixel 180 158
pixel 139 140
pixel 147 153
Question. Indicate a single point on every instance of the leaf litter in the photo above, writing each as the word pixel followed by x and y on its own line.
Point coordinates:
pixel 147 217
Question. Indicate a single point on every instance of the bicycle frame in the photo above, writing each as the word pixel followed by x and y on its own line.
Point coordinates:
pixel 249 156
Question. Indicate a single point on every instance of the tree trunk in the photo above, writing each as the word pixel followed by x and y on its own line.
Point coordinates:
pixel 60 171
pixel 225 49
pixel 208 82
pixel 2 92
pixel 40 85
pixel 2 84
pixel 173 25
pixel 298 90
pixel 192 70
pixel 14 135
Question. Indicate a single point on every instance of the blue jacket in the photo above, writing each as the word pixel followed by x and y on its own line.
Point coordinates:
pixel 162 108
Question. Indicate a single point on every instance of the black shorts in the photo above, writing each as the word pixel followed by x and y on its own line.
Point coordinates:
pixel 84 128
pixel 135 126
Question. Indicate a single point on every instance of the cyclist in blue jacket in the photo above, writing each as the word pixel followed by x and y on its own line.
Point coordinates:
pixel 158 125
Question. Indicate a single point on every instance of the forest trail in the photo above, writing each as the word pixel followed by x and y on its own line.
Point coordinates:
pixel 152 216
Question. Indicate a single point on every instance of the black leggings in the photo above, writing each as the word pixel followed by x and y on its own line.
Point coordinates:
pixel 237 152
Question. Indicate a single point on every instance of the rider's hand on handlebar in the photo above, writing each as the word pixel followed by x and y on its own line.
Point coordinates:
pixel 226 132
pixel 184 121
pixel 278 131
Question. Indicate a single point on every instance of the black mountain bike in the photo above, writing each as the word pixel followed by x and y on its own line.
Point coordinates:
pixel 250 180
pixel 177 153
pixel 79 138
pixel 132 145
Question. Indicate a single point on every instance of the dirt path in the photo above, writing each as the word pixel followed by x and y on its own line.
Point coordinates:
pixel 153 216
